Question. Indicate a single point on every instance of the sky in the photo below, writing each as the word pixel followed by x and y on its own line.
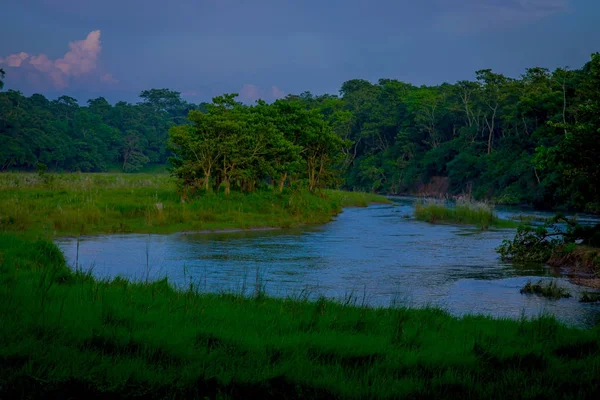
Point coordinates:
pixel 270 48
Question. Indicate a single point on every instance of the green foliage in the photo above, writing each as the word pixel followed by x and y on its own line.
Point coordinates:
pixel 529 140
pixel 464 212
pixel 115 203
pixel 243 146
pixel 67 137
pixel 65 334
pixel 572 156
pixel 528 219
pixel 530 244
pixel 589 297
pixel 558 236
pixel 41 169
pixel 550 290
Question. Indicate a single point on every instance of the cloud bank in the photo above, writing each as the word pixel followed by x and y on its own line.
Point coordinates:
pixel 79 63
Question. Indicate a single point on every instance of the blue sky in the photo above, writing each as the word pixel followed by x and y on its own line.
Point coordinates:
pixel 269 48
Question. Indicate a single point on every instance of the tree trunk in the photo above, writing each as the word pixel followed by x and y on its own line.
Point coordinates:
pixel 207 180
pixel 282 179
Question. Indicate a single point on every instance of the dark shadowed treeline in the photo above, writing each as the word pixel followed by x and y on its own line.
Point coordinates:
pixel 63 135
pixel 231 144
pixel 532 139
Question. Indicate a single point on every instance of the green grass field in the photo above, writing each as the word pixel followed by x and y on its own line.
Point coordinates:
pixel 64 334
pixel 119 203
pixel 481 215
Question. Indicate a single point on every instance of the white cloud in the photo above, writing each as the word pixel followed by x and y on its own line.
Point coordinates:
pixel 80 61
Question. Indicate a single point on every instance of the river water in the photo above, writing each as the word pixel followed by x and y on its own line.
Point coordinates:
pixel 377 255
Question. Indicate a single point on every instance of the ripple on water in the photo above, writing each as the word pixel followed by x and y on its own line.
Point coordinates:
pixel 372 252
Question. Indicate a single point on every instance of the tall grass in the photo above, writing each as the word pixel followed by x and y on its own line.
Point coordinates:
pixel 112 203
pixel 550 290
pixel 479 214
pixel 65 335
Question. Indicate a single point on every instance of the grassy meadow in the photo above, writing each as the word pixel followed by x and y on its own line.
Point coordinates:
pixel 66 334
pixel 71 204
pixel 479 214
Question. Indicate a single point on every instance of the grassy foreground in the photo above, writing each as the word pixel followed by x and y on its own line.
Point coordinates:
pixel 66 335
pixel 469 213
pixel 145 203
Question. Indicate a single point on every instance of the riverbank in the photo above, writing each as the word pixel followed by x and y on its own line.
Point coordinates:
pixel 580 264
pixel 572 257
pixel 67 334
pixel 75 204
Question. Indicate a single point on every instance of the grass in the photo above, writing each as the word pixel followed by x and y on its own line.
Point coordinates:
pixel 550 290
pixel 479 214
pixel 578 258
pixel 67 335
pixel 589 297
pixel 117 203
pixel 527 219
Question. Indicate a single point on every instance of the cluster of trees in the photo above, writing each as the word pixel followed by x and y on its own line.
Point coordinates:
pixel 63 135
pixel 534 139
pixel 233 145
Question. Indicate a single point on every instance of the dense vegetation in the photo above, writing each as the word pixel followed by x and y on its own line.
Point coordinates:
pixel 532 140
pixel 560 242
pixel 479 214
pixel 231 144
pixel 62 135
pixel 66 335
pixel 115 203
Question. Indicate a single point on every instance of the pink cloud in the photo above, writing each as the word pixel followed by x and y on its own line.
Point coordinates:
pixel 80 61
pixel 108 78
pixel 14 60
pixel 251 93
pixel 277 93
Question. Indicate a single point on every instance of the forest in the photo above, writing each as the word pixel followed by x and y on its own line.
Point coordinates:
pixel 527 140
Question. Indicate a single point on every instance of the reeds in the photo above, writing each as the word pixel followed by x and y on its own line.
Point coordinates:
pixel 464 212
pixel 550 290
pixel 117 203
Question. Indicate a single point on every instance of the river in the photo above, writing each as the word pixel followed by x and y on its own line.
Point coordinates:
pixel 378 255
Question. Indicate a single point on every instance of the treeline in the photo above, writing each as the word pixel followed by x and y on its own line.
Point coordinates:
pixel 532 140
pixel 233 145
pixel 64 136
